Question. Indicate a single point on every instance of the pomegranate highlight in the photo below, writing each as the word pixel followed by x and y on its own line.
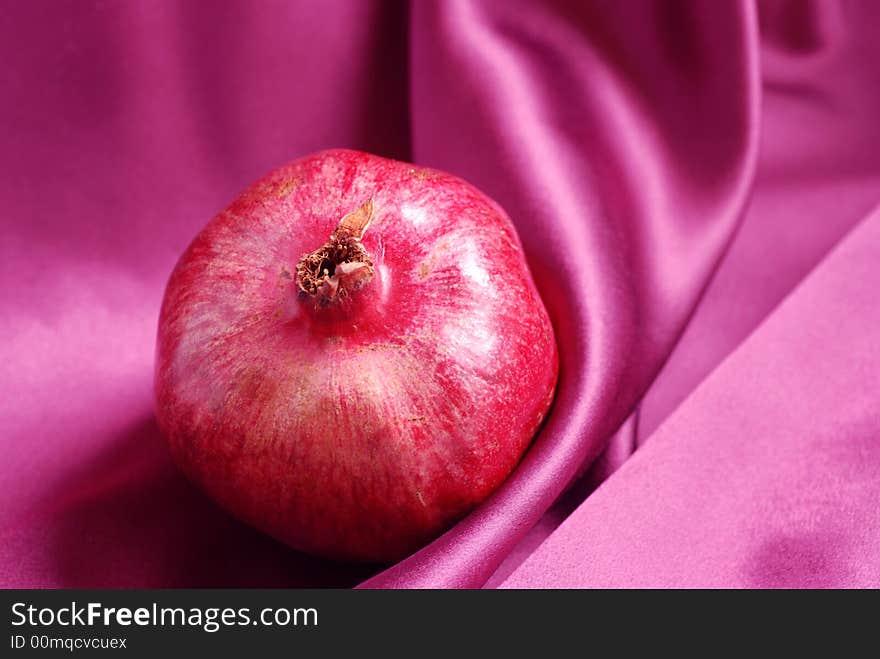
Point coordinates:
pixel 353 355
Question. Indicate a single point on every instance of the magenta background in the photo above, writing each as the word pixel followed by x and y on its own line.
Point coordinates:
pixel 694 183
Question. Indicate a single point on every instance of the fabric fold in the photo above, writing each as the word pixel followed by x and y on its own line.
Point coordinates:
pixel 625 160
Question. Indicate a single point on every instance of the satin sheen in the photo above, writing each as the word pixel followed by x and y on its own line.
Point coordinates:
pixel 694 184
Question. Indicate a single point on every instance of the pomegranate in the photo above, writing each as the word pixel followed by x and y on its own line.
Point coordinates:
pixel 353 355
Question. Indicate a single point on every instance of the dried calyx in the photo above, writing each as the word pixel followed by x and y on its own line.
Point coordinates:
pixel 341 265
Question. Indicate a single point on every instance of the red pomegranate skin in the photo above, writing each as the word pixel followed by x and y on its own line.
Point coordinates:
pixel 359 429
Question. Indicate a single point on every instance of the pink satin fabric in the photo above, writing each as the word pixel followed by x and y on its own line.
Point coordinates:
pixel 679 172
